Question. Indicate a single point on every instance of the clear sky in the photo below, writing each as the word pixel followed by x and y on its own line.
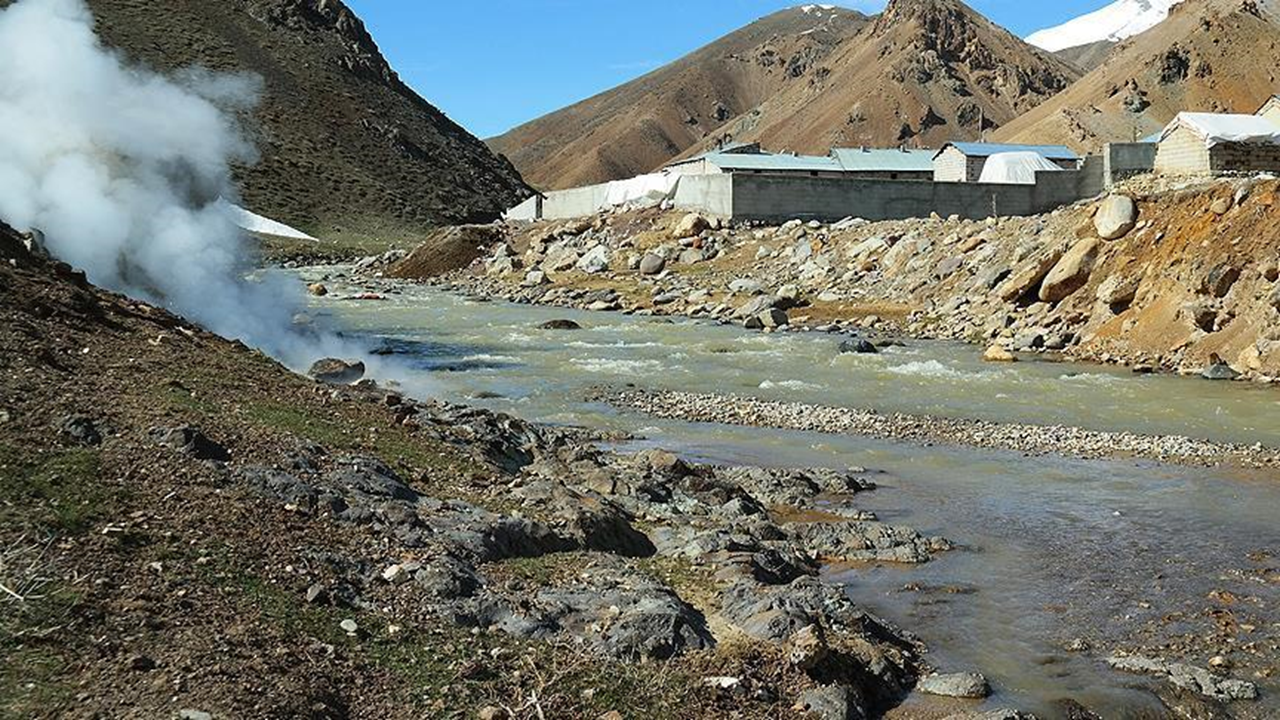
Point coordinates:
pixel 493 64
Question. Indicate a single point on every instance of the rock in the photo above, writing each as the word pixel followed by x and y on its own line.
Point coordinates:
pixel 560 257
pixel 652 264
pixel 755 306
pixel 807 648
pixel 560 325
pixel 831 702
pixel 189 440
pixel 1187 677
pixel 1118 291
pixel 535 278
pixel 493 712
pixel 1029 340
pixel 335 371
pixel 1116 217
pixel 1273 298
pixel 1220 280
pixel 1028 276
pixel 1071 272
pixel 997 353
pixel 958 685
pixel 1202 315
pixel 858 346
pixel 141 663
pixel 595 261
pixel 349 626
pixel 317 289
pixel 772 318
pixel 1219 370
pixel 691 257
pixel 690 225
pixel 857 540
pixel 746 286
pixel 191 714
pixel 790 294
pixel 1220 207
pixel 83 430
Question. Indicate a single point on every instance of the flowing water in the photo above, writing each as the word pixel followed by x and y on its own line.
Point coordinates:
pixel 1056 550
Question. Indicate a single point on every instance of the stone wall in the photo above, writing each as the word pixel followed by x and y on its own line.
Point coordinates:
pixel 1244 157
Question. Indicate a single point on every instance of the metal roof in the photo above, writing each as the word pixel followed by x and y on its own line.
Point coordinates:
pixel 884 160
pixel 779 163
pixel 973 149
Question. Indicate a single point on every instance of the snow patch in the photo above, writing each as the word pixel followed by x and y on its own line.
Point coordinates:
pixel 1115 22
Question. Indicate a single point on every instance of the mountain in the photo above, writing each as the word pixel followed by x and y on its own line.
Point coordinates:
pixel 642 124
pixel 1209 55
pixel 346 146
pixel 924 72
pixel 1119 20
pixel 1087 57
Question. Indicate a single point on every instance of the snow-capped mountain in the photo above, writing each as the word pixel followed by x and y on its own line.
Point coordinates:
pixel 1115 22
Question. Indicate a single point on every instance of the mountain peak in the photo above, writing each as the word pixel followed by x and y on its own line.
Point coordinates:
pixel 1119 20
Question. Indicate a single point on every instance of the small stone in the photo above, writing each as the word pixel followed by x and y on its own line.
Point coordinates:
pixel 141 663
pixel 560 325
pixel 349 626
pixel 998 353
pixel 1221 206
pixel 652 264
pixel 189 714
pixel 493 712
pixel 318 289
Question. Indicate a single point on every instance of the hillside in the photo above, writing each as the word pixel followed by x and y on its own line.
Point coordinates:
pixel 1087 57
pixel 642 124
pixel 346 146
pixel 1209 55
pixel 925 72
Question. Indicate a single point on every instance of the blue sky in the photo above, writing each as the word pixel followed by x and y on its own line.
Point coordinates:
pixel 493 64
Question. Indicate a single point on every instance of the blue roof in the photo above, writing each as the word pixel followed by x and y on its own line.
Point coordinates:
pixel 1052 152
pixel 884 160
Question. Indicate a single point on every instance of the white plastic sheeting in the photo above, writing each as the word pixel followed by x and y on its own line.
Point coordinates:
pixel 1222 128
pixel 648 189
pixel 1015 168
pixel 255 223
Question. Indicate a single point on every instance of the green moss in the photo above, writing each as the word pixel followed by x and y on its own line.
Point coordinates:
pixel 60 492
pixel 34 672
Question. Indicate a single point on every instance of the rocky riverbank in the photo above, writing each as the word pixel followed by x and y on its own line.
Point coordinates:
pixel 1019 437
pixel 1159 277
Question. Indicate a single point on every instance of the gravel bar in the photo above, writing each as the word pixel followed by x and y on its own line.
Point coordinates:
pixel 1068 441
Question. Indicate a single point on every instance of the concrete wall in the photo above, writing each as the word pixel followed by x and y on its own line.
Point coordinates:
pixel 578 202
pixel 1182 153
pixel 528 210
pixel 1125 160
pixel 710 194
pixel 781 199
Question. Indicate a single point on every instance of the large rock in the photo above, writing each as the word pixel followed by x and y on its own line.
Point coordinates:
pixel 1071 272
pixel 446 250
pixel 1028 276
pixel 652 264
pixel 560 257
pixel 1188 677
pixel 959 685
pixel 335 371
pixel 1118 290
pixel 1117 216
pixel 997 353
pixel 595 261
pixel 772 318
pixel 690 225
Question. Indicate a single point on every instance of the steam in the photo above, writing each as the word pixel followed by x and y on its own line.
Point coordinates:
pixel 123 169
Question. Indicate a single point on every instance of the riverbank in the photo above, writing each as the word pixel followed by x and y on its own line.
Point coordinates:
pixel 1184 282
pixel 1019 437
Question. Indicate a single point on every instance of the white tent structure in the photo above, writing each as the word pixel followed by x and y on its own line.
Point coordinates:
pixel 642 190
pixel 1216 129
pixel 1015 168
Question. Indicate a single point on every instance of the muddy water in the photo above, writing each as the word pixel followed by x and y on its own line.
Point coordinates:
pixel 1103 554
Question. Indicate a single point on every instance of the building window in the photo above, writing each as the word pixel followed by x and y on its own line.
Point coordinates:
pixel 813 173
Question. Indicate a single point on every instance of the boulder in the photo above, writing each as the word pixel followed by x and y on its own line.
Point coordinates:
pixel 746 286
pixel 1187 677
pixel 771 318
pixel 652 264
pixel 690 225
pixel 1219 370
pixel 1071 272
pixel 831 702
pixel 596 260
pixel 317 289
pixel 560 325
pixel 1118 291
pixel 1116 217
pixel 560 257
pixel 997 353
pixel 1220 280
pixel 957 685
pixel 191 441
pixel 691 256
pixel 1273 298
pixel 858 346
pixel 335 371
pixel 1220 207
pixel 534 278
pixel 1028 276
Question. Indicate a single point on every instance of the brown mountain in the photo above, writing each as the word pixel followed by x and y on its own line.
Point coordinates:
pixel 924 72
pixel 1088 57
pixel 346 146
pixel 1209 55
pixel 642 124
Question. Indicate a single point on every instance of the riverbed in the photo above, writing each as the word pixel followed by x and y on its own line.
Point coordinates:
pixel 1063 560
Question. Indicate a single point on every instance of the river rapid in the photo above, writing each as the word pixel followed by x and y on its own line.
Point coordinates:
pixel 1063 561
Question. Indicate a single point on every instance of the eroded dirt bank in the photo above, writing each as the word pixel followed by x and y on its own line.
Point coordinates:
pixel 1187 282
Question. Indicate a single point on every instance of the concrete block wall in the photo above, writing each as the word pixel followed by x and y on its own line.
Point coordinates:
pixel 578 202
pixel 1125 160
pixel 1244 157
pixel 953 166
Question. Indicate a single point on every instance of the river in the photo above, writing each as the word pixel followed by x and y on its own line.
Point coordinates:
pixel 1055 551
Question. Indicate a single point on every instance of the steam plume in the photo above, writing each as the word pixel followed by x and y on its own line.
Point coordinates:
pixel 122 169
